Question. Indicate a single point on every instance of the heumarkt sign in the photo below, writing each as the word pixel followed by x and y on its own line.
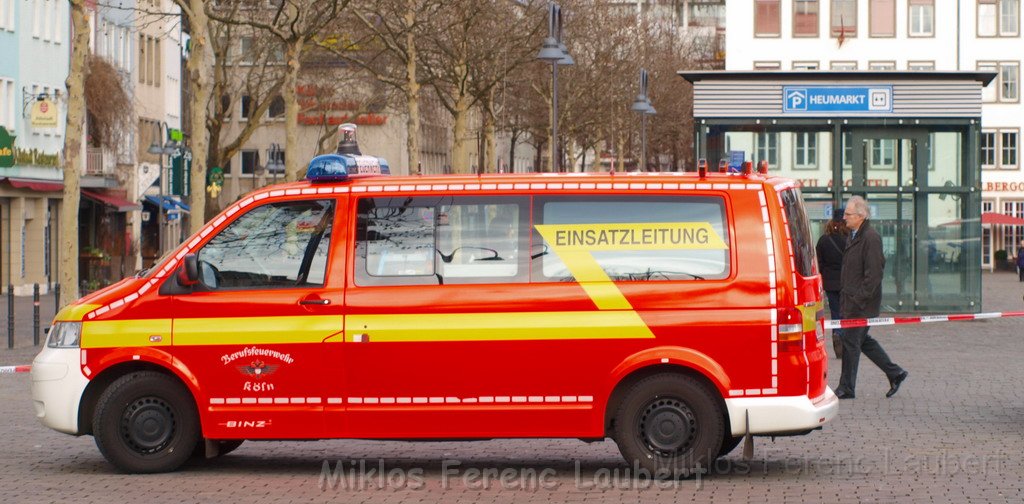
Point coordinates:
pixel 6 149
pixel 44 114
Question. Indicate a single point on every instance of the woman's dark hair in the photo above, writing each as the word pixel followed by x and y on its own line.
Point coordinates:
pixel 836 227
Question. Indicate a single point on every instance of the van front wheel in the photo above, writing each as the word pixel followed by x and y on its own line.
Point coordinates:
pixel 670 425
pixel 145 422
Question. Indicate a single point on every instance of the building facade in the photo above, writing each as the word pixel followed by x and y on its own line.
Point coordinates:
pixel 901 35
pixel 34 35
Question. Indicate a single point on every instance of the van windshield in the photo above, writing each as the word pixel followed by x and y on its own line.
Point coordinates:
pixel 799 231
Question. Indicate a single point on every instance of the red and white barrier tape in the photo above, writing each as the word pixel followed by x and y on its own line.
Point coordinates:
pixel 14 369
pixel 924 319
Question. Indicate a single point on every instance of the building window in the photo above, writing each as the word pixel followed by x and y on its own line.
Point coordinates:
pixel 922 18
pixel 1006 87
pixel 7 21
pixel 998 18
pixel 844 18
pixel 805 65
pixel 806 155
pixel 883 153
pixel 245 51
pixel 706 13
pixel 7 104
pixel 157 71
pixel 246 104
pixel 250 159
pixel 767 18
pixel 1008 149
pixel 921 66
pixel 882 18
pixel 1012 235
pixel 986 234
pixel 1009 82
pixel 805 18
pixel 276 108
pixel 37 15
pixel 847 149
pixel 843 66
pixel 988 149
pixel 768 148
pixel 767 65
pixel 142 59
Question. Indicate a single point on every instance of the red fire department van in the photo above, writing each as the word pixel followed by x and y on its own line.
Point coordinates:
pixel 674 312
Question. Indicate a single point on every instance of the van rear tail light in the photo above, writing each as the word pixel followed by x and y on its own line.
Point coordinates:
pixel 791 330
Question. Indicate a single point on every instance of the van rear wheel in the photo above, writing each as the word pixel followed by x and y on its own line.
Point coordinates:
pixel 146 422
pixel 670 425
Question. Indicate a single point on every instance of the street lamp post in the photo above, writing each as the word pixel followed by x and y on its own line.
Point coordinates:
pixel 554 52
pixel 642 105
pixel 168 148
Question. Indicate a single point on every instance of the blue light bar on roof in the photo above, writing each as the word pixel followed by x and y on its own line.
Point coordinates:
pixel 333 167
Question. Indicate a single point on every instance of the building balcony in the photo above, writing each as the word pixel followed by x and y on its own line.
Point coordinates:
pixel 100 168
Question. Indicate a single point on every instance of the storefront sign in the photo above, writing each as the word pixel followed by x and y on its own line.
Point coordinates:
pixel 815 99
pixel 1004 186
pixel 6 149
pixel 44 114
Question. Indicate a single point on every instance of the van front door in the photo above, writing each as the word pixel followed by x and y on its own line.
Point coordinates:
pixel 253 329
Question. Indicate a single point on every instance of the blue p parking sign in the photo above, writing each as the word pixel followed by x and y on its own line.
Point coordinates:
pixel 848 99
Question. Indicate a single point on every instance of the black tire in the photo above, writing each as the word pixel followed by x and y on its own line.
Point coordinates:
pixel 690 426
pixel 729 443
pixel 146 422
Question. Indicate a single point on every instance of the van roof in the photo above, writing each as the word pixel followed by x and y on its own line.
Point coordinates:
pixel 509 181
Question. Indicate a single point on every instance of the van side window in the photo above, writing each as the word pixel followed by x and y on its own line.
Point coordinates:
pixel 799 231
pixel 272 246
pixel 631 238
pixel 447 240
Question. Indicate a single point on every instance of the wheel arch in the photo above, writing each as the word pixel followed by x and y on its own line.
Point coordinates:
pixel 654 361
pixel 98 384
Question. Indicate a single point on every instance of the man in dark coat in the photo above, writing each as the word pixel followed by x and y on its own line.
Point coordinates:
pixel 863 264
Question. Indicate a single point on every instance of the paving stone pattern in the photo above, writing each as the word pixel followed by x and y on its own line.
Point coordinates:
pixel 954 433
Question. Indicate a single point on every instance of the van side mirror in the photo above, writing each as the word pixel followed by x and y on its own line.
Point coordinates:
pixel 189 274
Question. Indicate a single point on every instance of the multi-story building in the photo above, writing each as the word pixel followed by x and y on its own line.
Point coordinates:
pixel 34 35
pixel 900 35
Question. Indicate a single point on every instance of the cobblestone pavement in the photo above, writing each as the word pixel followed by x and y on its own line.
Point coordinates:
pixel 954 433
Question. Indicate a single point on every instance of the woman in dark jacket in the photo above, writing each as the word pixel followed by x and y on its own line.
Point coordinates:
pixel 830 250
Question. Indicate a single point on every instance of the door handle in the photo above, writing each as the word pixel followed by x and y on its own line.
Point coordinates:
pixel 315 302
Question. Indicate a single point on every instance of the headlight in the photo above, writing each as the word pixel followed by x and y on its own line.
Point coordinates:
pixel 64 335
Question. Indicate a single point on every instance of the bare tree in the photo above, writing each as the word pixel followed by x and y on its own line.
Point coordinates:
pixel 296 24
pixel 385 44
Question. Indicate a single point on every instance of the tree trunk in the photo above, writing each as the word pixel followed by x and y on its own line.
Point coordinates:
pixel 460 148
pixel 412 92
pixel 291 111
pixel 200 64
pixel 74 139
pixel 512 151
pixel 489 162
pixel 621 150
pixel 570 154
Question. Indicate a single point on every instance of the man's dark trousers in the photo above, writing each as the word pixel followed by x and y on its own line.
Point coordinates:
pixel 855 341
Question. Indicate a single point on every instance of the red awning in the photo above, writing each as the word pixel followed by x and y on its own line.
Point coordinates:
pixel 36 185
pixel 992 218
pixel 1001 219
pixel 121 204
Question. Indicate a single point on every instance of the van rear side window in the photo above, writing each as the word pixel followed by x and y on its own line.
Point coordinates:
pixel 430 240
pixel 632 238
pixel 799 231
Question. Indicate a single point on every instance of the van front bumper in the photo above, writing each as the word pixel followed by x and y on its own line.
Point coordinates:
pixel 57 388
pixel 781 415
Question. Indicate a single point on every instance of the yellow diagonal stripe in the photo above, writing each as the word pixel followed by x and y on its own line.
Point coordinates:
pixel 497 326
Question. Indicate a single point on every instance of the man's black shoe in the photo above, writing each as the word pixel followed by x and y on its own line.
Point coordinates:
pixel 894 384
pixel 844 395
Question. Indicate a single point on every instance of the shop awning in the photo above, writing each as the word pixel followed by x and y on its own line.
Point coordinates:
pixel 168 203
pixel 992 218
pixel 111 200
pixel 36 185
